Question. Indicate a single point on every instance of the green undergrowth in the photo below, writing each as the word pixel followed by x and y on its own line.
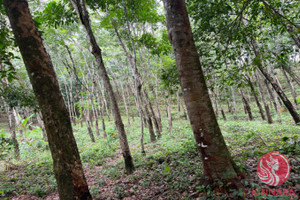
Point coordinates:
pixel 171 168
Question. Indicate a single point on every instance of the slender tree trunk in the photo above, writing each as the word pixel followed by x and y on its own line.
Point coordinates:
pixel 256 99
pixel 150 125
pixel 156 120
pixel 12 128
pixel 276 87
pixel 229 105
pixel 247 105
pixel 82 12
pixel 216 159
pixel 66 160
pixel 142 134
pixel 125 104
pixel 178 101
pixel 169 112
pixel 101 114
pixel 234 102
pixel 292 88
pixel 274 100
pixel 262 94
pixel 137 77
pixel 291 73
pixel 220 105
pixel 211 94
pixel 158 115
pixel 18 122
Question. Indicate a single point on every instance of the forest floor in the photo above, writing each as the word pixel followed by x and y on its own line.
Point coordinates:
pixel 171 168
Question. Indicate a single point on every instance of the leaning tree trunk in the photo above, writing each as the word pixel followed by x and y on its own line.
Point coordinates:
pixel 96 51
pixel 66 160
pixel 276 87
pixel 216 159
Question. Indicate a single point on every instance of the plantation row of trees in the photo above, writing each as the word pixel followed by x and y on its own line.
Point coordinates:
pixel 115 58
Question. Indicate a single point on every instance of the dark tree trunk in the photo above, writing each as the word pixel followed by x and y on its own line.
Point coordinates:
pixel 66 160
pixel 96 51
pixel 217 162
pixel 276 87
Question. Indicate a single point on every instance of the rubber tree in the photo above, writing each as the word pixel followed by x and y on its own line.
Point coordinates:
pixel 67 165
pixel 217 162
pixel 83 15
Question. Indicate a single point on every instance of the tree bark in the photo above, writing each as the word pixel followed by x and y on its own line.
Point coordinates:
pixel 216 159
pixel 66 160
pixel 83 15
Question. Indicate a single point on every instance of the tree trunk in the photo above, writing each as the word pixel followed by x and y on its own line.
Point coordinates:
pixel 292 88
pixel 273 97
pixel 256 99
pixel 12 128
pixel 155 118
pixel 262 94
pixel 96 51
pixel 276 87
pixel 234 103
pixel 247 106
pixel 216 159
pixel 125 104
pixel 66 160
pixel 292 74
pixel 169 112
pixel 137 77
pixel 221 108
pixel 101 114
